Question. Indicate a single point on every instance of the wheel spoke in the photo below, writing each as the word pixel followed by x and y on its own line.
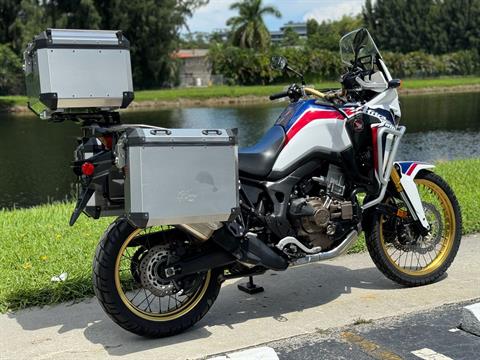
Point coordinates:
pixel 405 248
pixel 141 261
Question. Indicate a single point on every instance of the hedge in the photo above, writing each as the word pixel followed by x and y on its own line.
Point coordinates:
pixel 248 66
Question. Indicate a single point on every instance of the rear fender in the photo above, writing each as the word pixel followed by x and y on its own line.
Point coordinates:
pixel 408 172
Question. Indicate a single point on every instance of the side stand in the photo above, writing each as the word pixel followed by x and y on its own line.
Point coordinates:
pixel 250 287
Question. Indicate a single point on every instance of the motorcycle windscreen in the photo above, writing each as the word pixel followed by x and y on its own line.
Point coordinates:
pixel 358 46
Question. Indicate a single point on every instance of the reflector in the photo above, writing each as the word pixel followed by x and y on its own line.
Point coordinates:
pixel 88 169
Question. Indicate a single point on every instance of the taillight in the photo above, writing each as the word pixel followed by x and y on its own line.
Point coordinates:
pixel 107 141
pixel 88 169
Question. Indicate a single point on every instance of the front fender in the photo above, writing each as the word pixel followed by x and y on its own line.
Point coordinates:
pixel 411 168
pixel 408 172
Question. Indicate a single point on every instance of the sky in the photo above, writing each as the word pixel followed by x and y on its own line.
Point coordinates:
pixel 216 13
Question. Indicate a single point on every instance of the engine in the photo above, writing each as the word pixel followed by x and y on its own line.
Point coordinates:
pixel 321 213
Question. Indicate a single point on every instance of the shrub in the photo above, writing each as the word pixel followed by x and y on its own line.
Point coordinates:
pixel 421 64
pixel 461 63
pixel 248 66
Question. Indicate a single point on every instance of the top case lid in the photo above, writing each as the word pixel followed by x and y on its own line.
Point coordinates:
pixel 138 136
pixel 78 39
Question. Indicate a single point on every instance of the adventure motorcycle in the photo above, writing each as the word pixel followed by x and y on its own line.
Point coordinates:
pixel 322 174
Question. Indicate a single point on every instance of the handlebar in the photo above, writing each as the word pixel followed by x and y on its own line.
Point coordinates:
pixel 306 90
pixel 279 95
pixel 314 92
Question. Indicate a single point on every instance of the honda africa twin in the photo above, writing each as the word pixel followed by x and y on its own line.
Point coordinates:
pixel 323 173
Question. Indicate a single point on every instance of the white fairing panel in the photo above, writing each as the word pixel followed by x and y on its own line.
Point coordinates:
pixel 375 82
pixel 328 135
pixel 387 100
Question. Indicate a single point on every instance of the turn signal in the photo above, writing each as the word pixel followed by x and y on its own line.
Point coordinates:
pixel 88 169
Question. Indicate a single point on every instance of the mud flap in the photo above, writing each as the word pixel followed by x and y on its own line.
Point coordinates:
pixel 81 203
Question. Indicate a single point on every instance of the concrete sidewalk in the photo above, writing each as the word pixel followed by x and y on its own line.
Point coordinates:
pixel 298 301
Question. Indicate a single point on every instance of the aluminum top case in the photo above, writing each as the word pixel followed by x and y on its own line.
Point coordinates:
pixel 78 71
pixel 180 176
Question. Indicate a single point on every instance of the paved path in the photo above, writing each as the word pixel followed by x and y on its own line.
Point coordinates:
pixel 430 335
pixel 298 301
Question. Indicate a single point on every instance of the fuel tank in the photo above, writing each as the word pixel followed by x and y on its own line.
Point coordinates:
pixel 313 130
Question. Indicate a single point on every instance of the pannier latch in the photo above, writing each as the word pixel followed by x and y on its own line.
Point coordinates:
pixel 211 132
pixel 165 131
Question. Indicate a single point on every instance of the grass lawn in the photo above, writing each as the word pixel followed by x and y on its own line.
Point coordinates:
pixel 440 82
pixel 259 90
pixel 37 243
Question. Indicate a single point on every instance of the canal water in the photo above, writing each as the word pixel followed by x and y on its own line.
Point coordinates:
pixel 35 155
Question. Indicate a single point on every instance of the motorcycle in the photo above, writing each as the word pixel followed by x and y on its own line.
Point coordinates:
pixel 322 174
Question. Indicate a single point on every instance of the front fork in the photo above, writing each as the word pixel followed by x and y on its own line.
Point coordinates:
pixel 407 189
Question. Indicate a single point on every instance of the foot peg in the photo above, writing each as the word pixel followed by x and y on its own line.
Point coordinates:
pixel 250 287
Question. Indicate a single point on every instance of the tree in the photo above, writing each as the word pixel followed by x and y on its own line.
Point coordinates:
pixel 153 28
pixel 11 75
pixel 248 28
pixel 8 14
pixel 434 26
pixel 196 40
pixel 219 37
pixel 460 20
pixel 327 34
pixel 290 37
pixel 74 14
pixel 28 23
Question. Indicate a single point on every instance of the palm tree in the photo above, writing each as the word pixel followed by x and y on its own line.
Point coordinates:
pixel 249 30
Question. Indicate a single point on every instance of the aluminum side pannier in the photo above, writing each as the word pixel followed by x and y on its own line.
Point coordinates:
pixel 157 176
pixel 180 176
pixel 78 71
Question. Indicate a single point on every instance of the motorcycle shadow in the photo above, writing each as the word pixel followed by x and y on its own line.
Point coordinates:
pixel 294 290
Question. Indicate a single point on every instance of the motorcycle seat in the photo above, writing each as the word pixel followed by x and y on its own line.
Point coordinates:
pixel 257 160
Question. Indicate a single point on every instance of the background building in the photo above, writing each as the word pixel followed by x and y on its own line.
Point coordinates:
pixel 299 28
pixel 195 68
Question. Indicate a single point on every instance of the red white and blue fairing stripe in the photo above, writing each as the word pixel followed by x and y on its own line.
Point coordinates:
pixel 297 116
pixel 411 168
pixel 310 126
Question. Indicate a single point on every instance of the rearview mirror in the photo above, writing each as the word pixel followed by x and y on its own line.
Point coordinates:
pixel 278 63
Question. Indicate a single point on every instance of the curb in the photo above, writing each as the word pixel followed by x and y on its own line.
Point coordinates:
pixel 471 319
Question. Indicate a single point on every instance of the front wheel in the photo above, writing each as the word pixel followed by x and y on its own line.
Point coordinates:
pixel 128 286
pixel 397 248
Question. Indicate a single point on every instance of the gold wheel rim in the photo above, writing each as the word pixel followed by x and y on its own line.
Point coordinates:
pixel 177 313
pixel 448 235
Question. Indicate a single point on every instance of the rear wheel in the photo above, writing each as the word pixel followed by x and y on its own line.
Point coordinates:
pixel 127 283
pixel 398 249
